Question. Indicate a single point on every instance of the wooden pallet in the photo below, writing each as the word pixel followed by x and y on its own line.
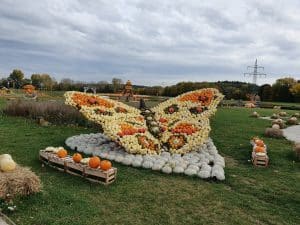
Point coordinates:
pixel 260 161
pixel 67 165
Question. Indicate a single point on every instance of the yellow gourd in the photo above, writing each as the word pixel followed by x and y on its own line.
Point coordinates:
pixel 7 164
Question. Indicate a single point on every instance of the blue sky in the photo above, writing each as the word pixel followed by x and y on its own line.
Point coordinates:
pixel 150 42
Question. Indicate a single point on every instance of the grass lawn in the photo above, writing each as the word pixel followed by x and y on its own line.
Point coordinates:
pixel 247 196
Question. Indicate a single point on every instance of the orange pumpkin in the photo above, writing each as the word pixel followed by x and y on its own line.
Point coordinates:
pixel 62 153
pixel 105 165
pixel 94 162
pixel 260 143
pixel 77 157
pixel 259 149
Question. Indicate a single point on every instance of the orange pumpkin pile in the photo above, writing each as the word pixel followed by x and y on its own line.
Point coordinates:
pixel 186 128
pixel 204 97
pixel 85 100
pixel 128 129
pixel 259 146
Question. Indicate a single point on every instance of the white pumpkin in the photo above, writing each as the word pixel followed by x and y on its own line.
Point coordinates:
pixel 204 174
pixel 147 164
pixel 218 172
pixel 157 166
pixel 7 164
pixel 193 167
pixel 85 161
pixel 190 172
pixel 5 156
pixel 127 161
pixel 167 169
pixel 137 163
pixel 178 169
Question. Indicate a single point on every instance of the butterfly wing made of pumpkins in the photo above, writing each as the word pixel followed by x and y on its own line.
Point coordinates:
pixel 184 120
pixel 120 122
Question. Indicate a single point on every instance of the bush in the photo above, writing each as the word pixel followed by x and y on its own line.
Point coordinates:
pixel 54 112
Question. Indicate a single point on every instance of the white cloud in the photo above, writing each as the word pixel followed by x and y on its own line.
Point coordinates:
pixel 150 42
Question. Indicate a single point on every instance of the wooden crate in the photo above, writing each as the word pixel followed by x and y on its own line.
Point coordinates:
pixel 76 169
pixel 69 166
pixel 105 177
pixel 260 161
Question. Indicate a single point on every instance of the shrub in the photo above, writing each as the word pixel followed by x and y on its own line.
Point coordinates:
pixel 52 111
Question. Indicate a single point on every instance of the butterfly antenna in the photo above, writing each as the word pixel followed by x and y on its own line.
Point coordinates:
pixel 142 104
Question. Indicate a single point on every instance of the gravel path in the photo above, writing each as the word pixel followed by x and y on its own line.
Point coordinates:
pixel 292 133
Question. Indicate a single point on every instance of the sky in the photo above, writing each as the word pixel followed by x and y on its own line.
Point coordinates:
pixel 157 42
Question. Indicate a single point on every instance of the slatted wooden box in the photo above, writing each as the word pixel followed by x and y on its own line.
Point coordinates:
pixel 106 177
pixel 69 166
pixel 260 160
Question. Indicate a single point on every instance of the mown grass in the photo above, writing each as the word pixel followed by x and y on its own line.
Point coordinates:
pixel 248 196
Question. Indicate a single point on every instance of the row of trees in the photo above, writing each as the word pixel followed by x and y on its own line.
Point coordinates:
pixel 44 81
pixel 284 89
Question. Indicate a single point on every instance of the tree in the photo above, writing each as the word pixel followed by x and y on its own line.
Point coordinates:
pixel 117 84
pixel 16 78
pixel 295 90
pixel 66 84
pixel 265 92
pixel 43 80
pixel 281 89
pixel 36 80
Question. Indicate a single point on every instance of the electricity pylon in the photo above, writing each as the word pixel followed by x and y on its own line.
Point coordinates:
pixel 255 74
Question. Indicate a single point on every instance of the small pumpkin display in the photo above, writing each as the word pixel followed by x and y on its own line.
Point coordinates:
pixel 77 157
pixel 62 153
pixel 94 162
pixel 258 149
pixel 105 165
pixel 260 143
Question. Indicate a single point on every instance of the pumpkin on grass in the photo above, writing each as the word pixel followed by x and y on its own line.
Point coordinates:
pixel 105 165
pixel 77 157
pixel 62 153
pixel 94 162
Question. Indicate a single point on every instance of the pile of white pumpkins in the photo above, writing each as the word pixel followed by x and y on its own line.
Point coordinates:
pixel 204 162
pixel 7 163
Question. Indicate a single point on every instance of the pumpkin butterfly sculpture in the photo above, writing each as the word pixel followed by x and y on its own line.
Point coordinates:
pixel 178 125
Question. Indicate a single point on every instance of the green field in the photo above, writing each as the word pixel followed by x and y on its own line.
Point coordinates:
pixel 247 196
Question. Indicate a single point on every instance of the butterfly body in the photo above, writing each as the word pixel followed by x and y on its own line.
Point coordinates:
pixel 178 125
